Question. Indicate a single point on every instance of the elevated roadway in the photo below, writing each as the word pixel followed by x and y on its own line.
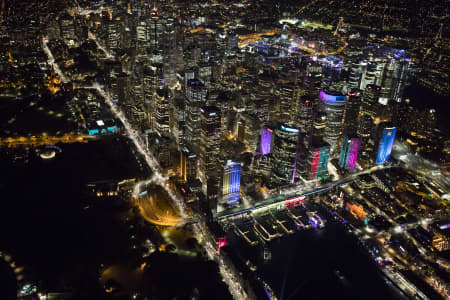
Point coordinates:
pixel 295 191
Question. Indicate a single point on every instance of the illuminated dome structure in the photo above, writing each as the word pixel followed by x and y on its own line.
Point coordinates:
pixel 48 154
pixel 155 206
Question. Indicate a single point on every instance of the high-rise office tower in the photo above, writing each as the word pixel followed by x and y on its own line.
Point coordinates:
pixel 112 36
pixel 314 163
pixel 223 102
pixel 354 78
pixel 285 154
pixel 162 97
pixel 142 36
pixel 205 70
pixel 231 183
pixel 399 78
pixel 188 164
pixel 369 77
pixel 352 107
pixel 306 114
pixel 385 140
pixel 369 100
pixel 266 140
pixel 232 40
pixel 305 120
pixel 387 81
pixel 209 145
pixel 152 81
pixel 349 152
pixel 333 104
pixel 320 123
pixel 248 130
pixel 170 52
pixel 289 95
pixel 156 29
pixel 195 98
pixel 67 28
pixel 178 121
pixel 365 129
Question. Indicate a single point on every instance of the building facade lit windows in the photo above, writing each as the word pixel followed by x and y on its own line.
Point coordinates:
pixel 386 136
pixel 349 152
pixel 333 104
pixel 231 184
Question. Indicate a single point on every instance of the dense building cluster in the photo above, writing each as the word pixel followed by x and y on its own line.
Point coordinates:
pixel 283 101
pixel 244 107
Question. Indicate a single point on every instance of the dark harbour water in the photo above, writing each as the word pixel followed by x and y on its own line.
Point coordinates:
pixel 423 98
pixel 303 266
pixel 61 234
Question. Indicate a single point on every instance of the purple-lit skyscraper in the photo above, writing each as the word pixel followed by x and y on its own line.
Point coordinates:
pixel 349 152
pixel 266 140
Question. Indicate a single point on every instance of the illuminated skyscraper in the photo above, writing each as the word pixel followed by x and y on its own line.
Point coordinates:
pixel 315 163
pixel 156 30
pixel 112 35
pixel 178 119
pixel 266 140
pixel 161 117
pixel 349 152
pixel 333 104
pixel 248 131
pixel 370 99
pixel 399 77
pixel 169 47
pixel 231 182
pixel 352 107
pixel 285 154
pixel 153 80
pixel 196 98
pixel 354 79
pixel 305 119
pixel 188 164
pixel 209 148
pixel 365 128
pixel 67 28
pixel 386 136
pixel 289 95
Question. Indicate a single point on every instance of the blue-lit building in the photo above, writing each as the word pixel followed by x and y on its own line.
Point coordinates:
pixel 102 127
pixel 231 185
pixel 386 136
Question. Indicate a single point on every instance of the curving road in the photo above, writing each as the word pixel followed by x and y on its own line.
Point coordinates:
pixel 229 274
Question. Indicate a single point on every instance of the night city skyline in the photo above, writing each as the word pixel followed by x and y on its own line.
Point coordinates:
pixel 244 149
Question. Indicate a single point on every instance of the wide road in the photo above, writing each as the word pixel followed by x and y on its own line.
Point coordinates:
pixel 229 274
